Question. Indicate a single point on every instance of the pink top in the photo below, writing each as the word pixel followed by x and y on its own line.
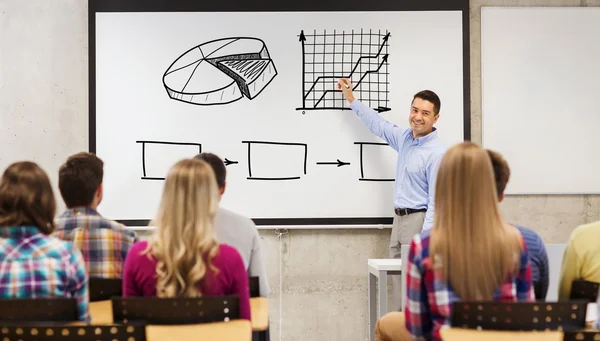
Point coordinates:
pixel 140 270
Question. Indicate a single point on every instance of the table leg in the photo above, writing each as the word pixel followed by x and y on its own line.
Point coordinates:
pixel 372 306
pixel 383 300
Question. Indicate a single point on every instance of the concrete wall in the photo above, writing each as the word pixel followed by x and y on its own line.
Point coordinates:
pixel 323 293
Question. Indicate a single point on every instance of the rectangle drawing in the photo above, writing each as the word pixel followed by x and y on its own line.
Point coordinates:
pixel 276 160
pixel 373 165
pixel 159 156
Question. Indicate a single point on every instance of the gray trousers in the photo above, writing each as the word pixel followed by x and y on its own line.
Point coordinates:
pixel 403 231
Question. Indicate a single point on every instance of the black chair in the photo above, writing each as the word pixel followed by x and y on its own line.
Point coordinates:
pixel 253 282
pixel 102 289
pixel 521 316
pixel 39 309
pixel 165 311
pixel 51 332
pixel 581 336
pixel 584 290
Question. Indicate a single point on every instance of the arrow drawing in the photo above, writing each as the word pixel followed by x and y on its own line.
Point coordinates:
pixel 303 39
pixel 229 162
pixel 338 163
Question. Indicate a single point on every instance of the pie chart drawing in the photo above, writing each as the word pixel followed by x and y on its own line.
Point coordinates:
pixel 220 71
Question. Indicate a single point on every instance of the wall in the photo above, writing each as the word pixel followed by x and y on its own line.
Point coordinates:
pixel 43 116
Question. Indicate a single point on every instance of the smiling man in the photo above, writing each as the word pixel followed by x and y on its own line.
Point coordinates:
pixel 419 154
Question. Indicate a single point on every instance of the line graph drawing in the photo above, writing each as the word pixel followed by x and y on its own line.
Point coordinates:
pixel 220 71
pixel 362 56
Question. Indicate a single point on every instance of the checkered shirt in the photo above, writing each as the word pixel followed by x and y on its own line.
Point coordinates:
pixel 430 298
pixel 104 243
pixel 35 265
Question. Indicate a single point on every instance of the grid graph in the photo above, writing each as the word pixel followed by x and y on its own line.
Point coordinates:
pixel 360 55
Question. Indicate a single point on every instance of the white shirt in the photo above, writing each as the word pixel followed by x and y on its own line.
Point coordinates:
pixel 240 232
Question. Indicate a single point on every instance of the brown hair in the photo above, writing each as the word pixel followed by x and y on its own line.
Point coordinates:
pixel 501 171
pixel 79 179
pixel 466 213
pixel 430 96
pixel 217 165
pixel 26 197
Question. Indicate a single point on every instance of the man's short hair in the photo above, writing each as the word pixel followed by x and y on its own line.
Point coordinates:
pixel 217 164
pixel 430 96
pixel 501 171
pixel 79 178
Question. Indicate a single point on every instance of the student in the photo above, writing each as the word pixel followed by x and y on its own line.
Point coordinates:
pixel 419 154
pixel 34 264
pixel 183 258
pixel 581 259
pixel 534 243
pixel 103 242
pixel 236 230
pixel 477 256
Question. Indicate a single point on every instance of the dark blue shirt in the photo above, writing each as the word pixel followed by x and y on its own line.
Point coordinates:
pixel 539 261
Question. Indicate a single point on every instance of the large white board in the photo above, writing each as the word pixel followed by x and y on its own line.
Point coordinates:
pixel 145 96
pixel 540 84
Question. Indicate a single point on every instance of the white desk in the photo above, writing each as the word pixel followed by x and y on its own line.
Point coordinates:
pixel 380 269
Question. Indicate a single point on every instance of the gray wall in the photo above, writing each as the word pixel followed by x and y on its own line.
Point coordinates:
pixel 43 116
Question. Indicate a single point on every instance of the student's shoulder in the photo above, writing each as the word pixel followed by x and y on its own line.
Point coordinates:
pixel 137 249
pixel 228 255
pixel 529 235
pixel 585 231
pixel 239 220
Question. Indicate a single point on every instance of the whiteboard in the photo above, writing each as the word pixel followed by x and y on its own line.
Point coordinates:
pixel 170 84
pixel 540 84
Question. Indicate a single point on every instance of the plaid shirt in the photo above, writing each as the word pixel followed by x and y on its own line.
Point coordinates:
pixel 104 243
pixel 430 298
pixel 35 265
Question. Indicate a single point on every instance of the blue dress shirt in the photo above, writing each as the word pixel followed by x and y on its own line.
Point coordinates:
pixel 417 165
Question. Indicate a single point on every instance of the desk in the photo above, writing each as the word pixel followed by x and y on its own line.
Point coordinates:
pixel 259 308
pixel 379 269
pixel 233 330
pixel 458 334
pixel 101 312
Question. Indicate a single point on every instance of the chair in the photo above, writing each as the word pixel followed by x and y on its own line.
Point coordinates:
pixel 169 311
pixel 584 290
pixel 52 332
pixel 253 282
pixel 582 336
pixel 568 316
pixel 39 309
pixel 102 289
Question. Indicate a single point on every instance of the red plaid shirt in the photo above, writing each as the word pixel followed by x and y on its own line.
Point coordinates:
pixel 430 298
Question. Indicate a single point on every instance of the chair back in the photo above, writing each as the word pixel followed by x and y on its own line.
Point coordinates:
pixel 159 311
pixel 568 316
pixel 52 332
pixel 254 284
pixel 582 336
pixel 39 309
pixel 584 290
pixel 102 289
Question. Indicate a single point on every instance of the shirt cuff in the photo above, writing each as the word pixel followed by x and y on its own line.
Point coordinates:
pixel 356 105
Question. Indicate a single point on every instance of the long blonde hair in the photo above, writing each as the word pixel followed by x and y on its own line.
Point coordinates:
pixel 183 242
pixel 469 240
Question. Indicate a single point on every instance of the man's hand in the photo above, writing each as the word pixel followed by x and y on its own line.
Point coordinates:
pixel 346 87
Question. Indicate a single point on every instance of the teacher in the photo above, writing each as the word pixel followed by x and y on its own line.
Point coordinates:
pixel 419 154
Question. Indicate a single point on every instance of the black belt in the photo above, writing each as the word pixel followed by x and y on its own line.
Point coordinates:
pixel 404 211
